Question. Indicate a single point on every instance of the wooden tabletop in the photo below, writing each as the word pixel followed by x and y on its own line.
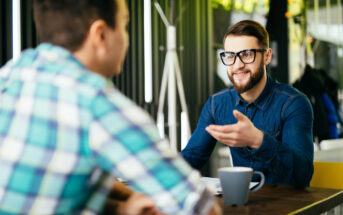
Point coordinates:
pixel 280 199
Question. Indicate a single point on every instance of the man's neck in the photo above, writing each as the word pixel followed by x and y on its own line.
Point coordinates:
pixel 252 94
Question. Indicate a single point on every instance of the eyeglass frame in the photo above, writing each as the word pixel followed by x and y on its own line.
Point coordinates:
pixel 238 54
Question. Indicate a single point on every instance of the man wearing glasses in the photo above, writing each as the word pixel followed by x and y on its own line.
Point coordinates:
pixel 267 125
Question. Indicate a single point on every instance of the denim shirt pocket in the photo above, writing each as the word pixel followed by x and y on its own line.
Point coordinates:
pixel 275 134
pixel 271 127
pixel 225 118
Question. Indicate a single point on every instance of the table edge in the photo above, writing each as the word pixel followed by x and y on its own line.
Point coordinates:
pixel 303 209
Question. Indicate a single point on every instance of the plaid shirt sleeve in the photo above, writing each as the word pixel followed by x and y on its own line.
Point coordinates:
pixel 126 143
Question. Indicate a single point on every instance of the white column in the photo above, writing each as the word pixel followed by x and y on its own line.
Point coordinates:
pixel 16 32
pixel 171 38
pixel 147 52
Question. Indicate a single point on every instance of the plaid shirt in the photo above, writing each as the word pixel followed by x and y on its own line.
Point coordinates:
pixel 64 128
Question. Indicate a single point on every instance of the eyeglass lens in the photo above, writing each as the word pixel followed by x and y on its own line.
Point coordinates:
pixel 246 56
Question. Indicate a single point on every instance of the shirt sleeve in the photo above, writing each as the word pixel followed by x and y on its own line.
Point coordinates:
pixel 291 159
pixel 126 143
pixel 201 144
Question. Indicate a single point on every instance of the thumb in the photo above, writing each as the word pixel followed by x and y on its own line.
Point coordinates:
pixel 238 115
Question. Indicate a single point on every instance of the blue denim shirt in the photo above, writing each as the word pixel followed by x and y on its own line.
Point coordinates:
pixel 286 118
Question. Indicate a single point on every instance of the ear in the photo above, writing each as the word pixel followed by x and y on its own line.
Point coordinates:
pixel 268 56
pixel 98 37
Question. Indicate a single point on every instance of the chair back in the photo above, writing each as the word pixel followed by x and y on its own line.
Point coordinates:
pixel 327 175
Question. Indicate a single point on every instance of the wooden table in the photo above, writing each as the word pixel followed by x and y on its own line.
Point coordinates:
pixel 280 199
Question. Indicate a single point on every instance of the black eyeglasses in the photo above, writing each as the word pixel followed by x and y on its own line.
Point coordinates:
pixel 246 56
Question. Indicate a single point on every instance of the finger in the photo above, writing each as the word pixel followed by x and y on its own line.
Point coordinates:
pixel 154 211
pixel 145 204
pixel 213 132
pixel 239 116
pixel 149 211
pixel 221 136
pixel 221 128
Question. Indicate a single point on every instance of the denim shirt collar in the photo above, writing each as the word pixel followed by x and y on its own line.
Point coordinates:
pixel 262 99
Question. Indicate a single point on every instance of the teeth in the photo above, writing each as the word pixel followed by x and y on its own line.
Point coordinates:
pixel 240 73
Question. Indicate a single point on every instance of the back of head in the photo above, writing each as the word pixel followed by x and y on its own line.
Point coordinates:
pixel 66 22
pixel 249 28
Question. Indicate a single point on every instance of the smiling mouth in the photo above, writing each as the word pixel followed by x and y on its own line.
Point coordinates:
pixel 241 73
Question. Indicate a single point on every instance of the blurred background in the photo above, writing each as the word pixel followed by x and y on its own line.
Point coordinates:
pixel 305 35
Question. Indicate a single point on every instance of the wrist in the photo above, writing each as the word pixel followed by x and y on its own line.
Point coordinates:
pixel 257 142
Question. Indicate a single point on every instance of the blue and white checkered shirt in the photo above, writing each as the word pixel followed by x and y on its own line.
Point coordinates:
pixel 64 128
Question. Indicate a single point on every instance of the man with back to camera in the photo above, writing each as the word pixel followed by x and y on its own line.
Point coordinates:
pixel 267 125
pixel 64 128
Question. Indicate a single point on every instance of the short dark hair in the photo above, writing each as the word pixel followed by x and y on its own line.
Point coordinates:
pixel 66 22
pixel 249 28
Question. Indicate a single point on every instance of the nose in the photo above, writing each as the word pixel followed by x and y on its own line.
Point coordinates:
pixel 238 63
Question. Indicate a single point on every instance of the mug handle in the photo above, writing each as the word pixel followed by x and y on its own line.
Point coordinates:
pixel 261 182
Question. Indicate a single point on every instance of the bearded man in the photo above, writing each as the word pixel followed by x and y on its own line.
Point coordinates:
pixel 266 124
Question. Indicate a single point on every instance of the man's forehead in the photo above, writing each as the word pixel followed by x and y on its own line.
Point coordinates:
pixel 240 42
pixel 241 37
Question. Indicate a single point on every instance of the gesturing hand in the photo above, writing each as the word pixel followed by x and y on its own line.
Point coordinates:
pixel 243 133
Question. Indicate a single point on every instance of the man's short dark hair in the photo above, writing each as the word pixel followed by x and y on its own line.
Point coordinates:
pixel 66 22
pixel 250 28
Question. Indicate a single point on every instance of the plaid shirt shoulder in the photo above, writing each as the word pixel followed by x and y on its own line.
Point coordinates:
pixel 63 128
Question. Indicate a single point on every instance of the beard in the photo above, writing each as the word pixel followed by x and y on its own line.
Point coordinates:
pixel 254 79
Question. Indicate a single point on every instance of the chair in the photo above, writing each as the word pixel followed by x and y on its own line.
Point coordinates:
pixel 327 175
